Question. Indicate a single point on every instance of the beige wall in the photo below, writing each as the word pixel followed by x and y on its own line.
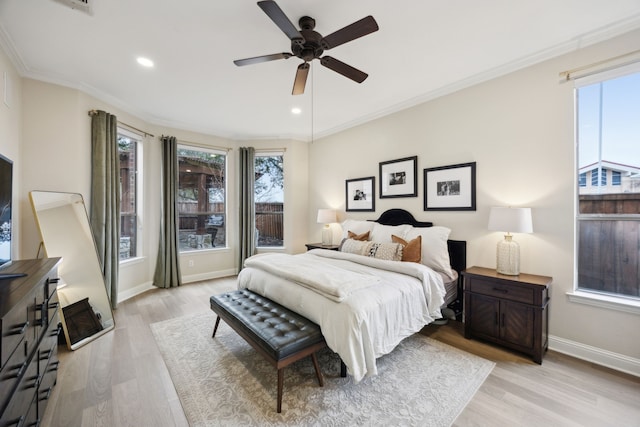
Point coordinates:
pixel 519 130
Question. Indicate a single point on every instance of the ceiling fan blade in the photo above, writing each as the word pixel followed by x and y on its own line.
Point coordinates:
pixel 366 25
pixel 344 69
pixel 276 14
pixel 301 79
pixel 263 58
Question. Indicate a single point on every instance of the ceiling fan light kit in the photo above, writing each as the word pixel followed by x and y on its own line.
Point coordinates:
pixel 308 45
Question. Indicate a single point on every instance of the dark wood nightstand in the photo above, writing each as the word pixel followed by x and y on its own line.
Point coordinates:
pixel 321 246
pixel 512 311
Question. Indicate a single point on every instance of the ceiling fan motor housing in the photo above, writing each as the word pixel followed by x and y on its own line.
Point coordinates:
pixel 312 46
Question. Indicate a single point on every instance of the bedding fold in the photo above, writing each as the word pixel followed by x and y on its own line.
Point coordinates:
pixel 323 278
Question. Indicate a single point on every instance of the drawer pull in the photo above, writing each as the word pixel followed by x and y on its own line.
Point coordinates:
pixel 19 422
pixel 503 320
pixel 22 369
pixel 47 394
pixel 501 290
pixel 20 330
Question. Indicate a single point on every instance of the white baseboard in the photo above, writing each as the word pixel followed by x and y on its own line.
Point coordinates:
pixel 130 293
pixel 209 275
pixel 612 360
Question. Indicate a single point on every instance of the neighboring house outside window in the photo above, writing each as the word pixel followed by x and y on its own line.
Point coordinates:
pixel 201 198
pixel 608 218
pixel 130 151
pixel 269 199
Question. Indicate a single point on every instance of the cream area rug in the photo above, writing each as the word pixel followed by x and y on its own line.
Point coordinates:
pixel 223 381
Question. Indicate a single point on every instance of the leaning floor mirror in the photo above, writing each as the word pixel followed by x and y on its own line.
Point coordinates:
pixel 64 227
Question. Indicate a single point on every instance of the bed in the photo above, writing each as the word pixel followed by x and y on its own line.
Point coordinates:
pixel 366 305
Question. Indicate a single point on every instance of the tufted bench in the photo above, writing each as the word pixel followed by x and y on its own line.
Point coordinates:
pixel 279 334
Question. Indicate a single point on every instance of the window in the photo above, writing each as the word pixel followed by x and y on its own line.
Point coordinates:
pixel 582 179
pixel 201 198
pixel 616 178
pixel 595 174
pixel 129 149
pixel 608 219
pixel 269 199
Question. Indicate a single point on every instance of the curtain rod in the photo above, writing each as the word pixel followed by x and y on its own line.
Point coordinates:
pixel 603 65
pixel 270 150
pixel 201 145
pixel 132 128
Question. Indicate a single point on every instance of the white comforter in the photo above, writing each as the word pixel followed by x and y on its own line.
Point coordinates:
pixel 371 317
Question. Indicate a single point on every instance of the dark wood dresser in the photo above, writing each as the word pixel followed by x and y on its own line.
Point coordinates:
pixel 512 311
pixel 29 340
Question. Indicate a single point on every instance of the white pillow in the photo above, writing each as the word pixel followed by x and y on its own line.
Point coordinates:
pixel 387 251
pixel 435 253
pixel 382 233
pixel 356 226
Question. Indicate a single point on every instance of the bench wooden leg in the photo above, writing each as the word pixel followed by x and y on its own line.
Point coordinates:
pixel 280 383
pixel 318 372
pixel 215 328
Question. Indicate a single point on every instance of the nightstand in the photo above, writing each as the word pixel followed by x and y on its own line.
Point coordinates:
pixel 321 246
pixel 512 311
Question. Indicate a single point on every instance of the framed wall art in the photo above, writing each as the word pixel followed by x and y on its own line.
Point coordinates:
pixel 360 194
pixel 398 178
pixel 450 188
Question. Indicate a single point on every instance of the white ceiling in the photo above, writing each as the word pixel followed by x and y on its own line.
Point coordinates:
pixel 424 49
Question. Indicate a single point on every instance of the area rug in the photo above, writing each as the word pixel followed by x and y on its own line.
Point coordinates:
pixel 222 381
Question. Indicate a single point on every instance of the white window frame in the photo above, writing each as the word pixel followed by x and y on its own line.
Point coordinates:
pixel 274 153
pixel 139 191
pixel 224 153
pixel 594 298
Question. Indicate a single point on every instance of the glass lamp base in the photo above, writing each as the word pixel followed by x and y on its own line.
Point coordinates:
pixel 508 257
pixel 327 236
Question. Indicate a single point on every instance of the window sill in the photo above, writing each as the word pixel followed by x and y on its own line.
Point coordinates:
pixel 130 261
pixel 605 301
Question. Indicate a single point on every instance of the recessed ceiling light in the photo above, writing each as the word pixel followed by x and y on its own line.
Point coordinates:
pixel 296 110
pixel 145 62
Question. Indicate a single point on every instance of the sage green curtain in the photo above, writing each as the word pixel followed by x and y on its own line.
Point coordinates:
pixel 247 217
pixel 167 272
pixel 105 197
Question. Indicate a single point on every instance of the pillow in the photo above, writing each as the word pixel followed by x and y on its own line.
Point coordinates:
pixel 382 233
pixel 356 227
pixel 362 237
pixel 411 251
pixel 387 251
pixel 435 252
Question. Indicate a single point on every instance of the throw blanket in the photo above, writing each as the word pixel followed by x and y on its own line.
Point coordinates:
pixel 314 274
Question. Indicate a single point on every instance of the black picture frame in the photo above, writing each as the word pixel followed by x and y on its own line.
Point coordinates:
pixel 450 188
pixel 360 194
pixel 399 178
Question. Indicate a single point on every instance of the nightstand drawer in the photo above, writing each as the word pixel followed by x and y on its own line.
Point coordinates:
pixel 509 291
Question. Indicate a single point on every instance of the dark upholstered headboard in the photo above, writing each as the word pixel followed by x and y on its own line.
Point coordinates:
pixel 457 248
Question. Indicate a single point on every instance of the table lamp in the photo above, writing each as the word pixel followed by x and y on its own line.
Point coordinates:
pixel 509 220
pixel 326 217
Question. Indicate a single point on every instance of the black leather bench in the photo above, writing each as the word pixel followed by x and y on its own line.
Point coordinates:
pixel 279 334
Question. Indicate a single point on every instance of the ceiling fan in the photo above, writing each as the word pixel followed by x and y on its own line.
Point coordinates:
pixel 308 45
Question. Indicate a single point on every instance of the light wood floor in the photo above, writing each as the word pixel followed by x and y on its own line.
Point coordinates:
pixel 121 380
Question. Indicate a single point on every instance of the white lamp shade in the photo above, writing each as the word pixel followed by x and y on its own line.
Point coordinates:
pixel 510 220
pixel 326 216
